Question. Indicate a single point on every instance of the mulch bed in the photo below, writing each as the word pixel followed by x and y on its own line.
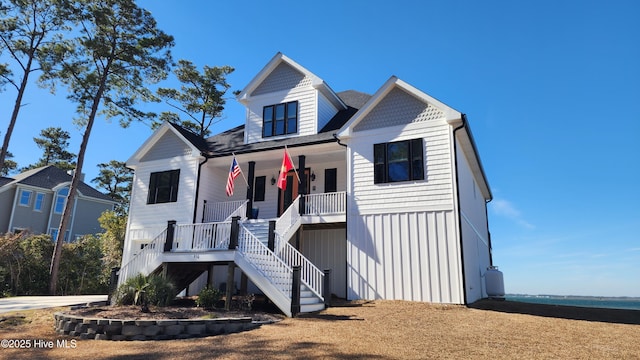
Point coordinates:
pixel 131 312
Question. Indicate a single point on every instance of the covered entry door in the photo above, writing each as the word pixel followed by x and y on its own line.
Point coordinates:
pixel 287 196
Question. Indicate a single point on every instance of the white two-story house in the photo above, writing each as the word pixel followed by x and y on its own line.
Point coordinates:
pixel 388 194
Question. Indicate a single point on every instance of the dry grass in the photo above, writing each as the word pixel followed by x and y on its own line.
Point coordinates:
pixel 381 329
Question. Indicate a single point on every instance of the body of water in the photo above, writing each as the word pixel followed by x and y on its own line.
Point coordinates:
pixel 628 303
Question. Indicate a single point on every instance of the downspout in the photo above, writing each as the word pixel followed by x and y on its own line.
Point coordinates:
pixel 346 223
pixel 455 162
pixel 195 208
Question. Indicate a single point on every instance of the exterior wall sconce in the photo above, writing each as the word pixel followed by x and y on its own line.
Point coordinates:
pixel 313 176
pixel 273 180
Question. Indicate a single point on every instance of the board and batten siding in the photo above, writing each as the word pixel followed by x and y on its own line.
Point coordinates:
pixel 475 233
pixel 327 249
pixel 404 256
pixel 402 238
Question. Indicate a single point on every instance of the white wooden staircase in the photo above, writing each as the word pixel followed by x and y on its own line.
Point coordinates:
pixel 273 271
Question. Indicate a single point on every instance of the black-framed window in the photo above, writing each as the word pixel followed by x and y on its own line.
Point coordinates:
pixel 280 119
pixel 163 187
pixel 398 161
pixel 330 180
pixel 259 188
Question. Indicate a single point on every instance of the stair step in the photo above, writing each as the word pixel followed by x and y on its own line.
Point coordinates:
pixel 311 307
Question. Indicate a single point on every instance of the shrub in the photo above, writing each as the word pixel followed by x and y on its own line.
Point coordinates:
pixel 153 289
pixel 208 297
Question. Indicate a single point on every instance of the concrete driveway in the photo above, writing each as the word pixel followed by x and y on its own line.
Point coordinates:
pixel 40 302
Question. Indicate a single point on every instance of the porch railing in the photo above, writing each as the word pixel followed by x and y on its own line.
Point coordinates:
pixel 144 262
pixel 222 211
pixel 326 203
pixel 201 237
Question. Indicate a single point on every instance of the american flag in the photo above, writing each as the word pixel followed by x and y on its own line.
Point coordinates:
pixel 234 171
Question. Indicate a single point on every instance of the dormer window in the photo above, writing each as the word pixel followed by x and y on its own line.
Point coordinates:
pixel 280 119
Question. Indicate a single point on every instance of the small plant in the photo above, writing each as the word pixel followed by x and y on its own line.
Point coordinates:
pixel 208 297
pixel 142 290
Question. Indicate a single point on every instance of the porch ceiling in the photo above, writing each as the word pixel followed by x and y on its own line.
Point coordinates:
pixel 272 159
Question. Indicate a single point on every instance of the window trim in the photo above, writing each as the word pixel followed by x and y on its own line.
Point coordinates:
pixel 21 197
pixel 173 186
pixel 273 122
pixel 39 200
pixel 381 161
pixel 64 201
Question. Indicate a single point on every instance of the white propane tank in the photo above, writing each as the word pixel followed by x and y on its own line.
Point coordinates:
pixel 494 282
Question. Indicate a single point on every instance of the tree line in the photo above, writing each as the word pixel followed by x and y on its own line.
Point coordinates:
pixel 107 54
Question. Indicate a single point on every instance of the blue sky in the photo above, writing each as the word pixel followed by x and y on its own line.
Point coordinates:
pixel 550 89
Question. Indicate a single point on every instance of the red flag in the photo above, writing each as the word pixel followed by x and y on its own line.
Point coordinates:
pixel 234 171
pixel 287 165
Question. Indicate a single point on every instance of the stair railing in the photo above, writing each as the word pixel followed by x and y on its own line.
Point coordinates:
pixel 310 275
pixel 271 266
pixel 288 223
pixel 144 262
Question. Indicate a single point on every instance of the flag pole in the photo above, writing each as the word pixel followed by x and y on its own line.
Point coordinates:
pixel 241 172
pixel 294 167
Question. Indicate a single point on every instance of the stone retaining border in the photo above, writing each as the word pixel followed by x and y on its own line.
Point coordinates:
pixel 111 329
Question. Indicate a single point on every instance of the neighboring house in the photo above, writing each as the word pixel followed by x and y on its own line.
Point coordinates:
pixel 34 200
pixel 392 197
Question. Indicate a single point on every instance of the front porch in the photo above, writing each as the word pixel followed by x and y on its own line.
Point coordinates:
pixel 261 248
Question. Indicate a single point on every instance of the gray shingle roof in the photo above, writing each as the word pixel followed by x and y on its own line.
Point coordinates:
pixel 232 140
pixel 48 177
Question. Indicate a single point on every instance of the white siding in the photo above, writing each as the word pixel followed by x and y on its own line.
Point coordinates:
pixel 145 215
pixel 405 256
pixel 326 111
pixel 327 249
pixel 307 111
pixel 475 233
pixel 435 192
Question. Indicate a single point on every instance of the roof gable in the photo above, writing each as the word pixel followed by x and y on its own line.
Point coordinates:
pixel 396 103
pixel 167 141
pixel 52 178
pixel 283 77
pixel 282 73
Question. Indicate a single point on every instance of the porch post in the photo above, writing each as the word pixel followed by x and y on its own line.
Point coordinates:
pixel 250 176
pixel 168 242
pixel 230 276
pixel 271 242
pixel 326 288
pixel 235 232
pixel 295 291
pixel 204 209
pixel 302 189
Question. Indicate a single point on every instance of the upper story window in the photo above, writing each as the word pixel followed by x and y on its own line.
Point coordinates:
pixel 398 161
pixel 163 187
pixel 37 206
pixel 61 199
pixel 280 119
pixel 25 198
